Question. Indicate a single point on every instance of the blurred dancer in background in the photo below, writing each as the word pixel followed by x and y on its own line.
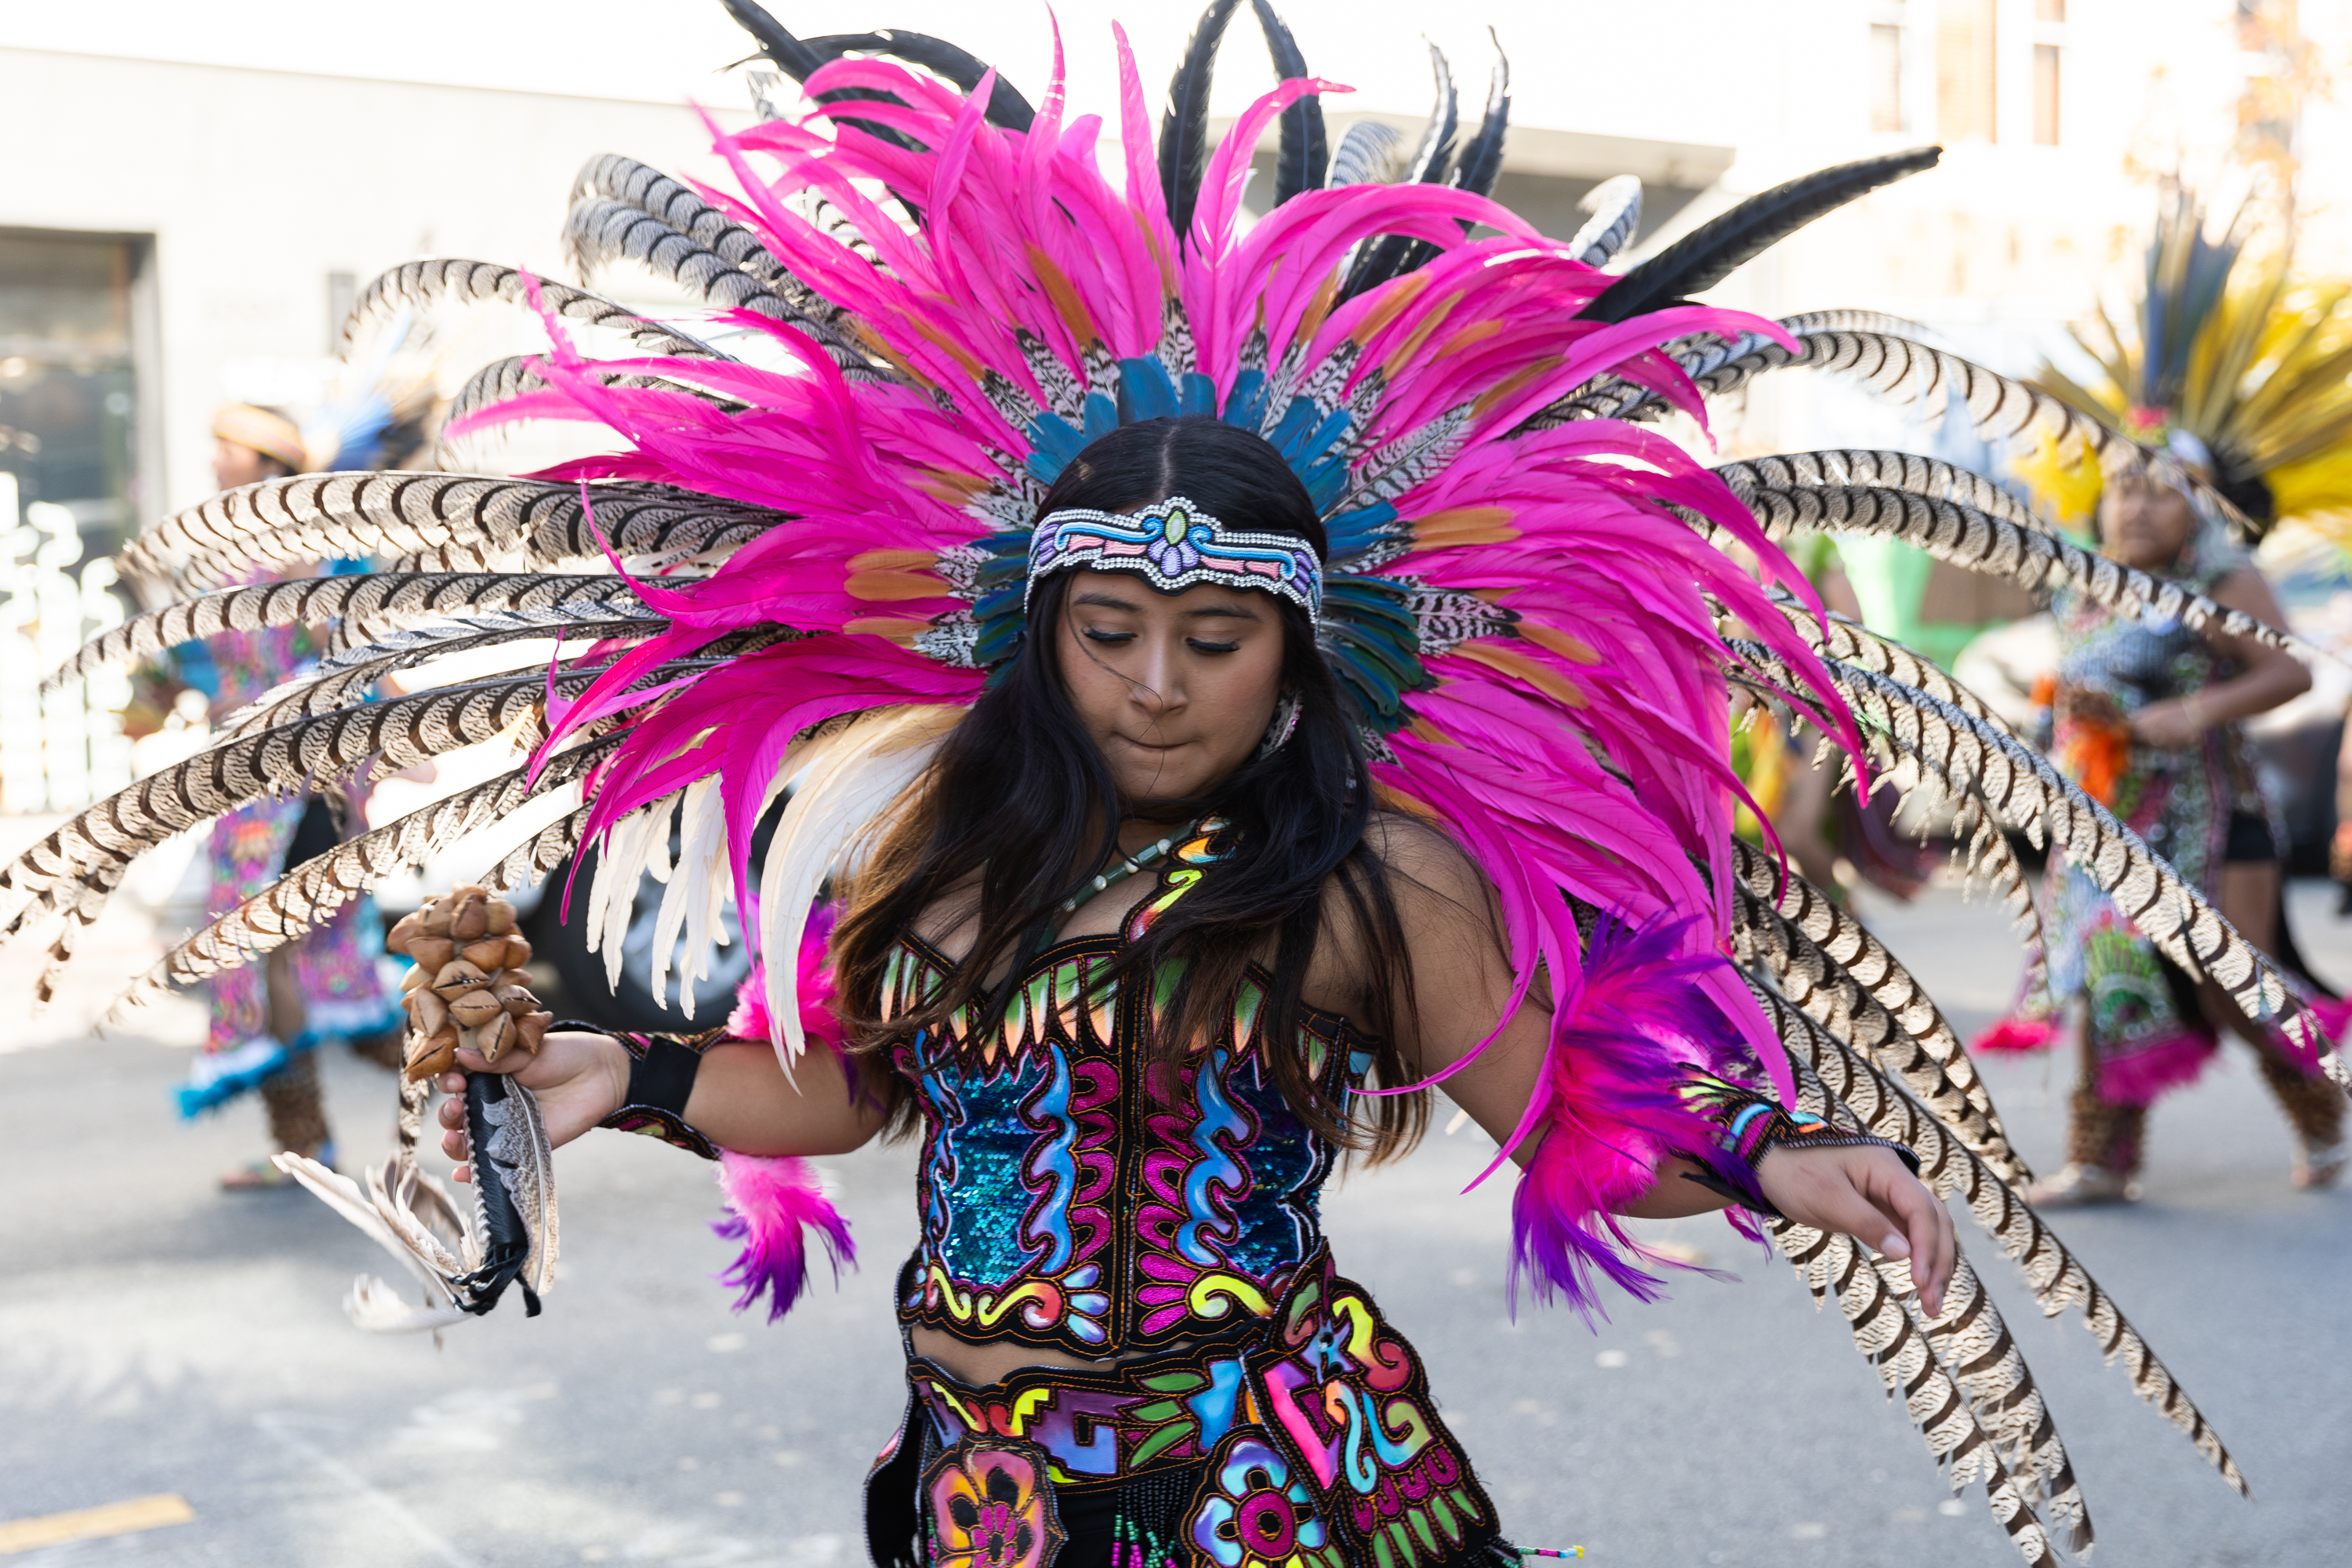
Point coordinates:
pixel 2234 376
pixel 2150 722
pixel 1832 838
pixel 269 1020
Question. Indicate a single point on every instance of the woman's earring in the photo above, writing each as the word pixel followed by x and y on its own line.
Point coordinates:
pixel 1278 731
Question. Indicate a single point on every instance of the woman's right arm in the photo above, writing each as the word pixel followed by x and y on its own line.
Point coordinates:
pixel 741 1101
pixel 2267 676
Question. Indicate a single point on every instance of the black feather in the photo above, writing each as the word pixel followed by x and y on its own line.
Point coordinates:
pixel 1707 255
pixel 1390 256
pixel 797 59
pixel 1006 106
pixel 1482 160
pixel 1184 130
pixel 1434 156
pixel 800 61
pixel 1305 153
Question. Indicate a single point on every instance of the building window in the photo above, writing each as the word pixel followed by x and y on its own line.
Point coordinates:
pixel 2045 95
pixel 2049 10
pixel 1964 71
pixel 1886 77
pixel 72 319
pixel 67 391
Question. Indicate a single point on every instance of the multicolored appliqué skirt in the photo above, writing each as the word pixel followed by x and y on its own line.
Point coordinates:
pixel 1305 1439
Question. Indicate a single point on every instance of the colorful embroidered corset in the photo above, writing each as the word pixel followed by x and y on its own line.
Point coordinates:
pixel 1064 1206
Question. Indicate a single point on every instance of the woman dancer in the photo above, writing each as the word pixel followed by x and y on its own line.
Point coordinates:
pixel 266 1022
pixel 1003 583
pixel 2149 720
pixel 2148 713
pixel 1196 1066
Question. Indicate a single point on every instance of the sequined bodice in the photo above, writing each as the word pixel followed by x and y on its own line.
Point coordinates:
pixel 1064 1205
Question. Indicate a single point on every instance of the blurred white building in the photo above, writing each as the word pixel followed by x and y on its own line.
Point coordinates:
pixel 189 233
pixel 197 192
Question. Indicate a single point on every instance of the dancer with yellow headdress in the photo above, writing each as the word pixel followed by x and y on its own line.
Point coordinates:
pixel 2234 377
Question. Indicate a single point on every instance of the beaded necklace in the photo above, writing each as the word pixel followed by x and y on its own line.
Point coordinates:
pixel 1042 936
pixel 1128 865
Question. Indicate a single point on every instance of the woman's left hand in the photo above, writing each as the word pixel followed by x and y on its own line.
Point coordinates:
pixel 1870 1195
pixel 2170 725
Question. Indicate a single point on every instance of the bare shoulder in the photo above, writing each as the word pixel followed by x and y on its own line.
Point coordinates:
pixel 2247 591
pixel 1424 866
pixel 1444 907
pixel 949 922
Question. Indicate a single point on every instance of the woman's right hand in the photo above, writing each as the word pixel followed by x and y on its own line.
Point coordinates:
pixel 2173 724
pixel 579 1079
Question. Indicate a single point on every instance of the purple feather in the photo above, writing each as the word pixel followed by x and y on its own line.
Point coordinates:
pixel 1613 1113
pixel 773 1201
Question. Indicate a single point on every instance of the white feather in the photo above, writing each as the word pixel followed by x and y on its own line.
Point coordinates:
pixel 864 769
pixel 696 893
pixel 613 896
pixel 376 1307
pixel 343 1195
pixel 372 1303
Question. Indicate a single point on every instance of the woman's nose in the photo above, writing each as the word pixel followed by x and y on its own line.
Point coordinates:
pixel 1156 679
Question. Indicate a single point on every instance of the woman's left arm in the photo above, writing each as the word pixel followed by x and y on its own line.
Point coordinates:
pixel 1462 982
pixel 2268 676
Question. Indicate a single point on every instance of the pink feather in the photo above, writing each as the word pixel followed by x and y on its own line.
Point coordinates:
pixel 750 1021
pixel 773 1201
pixel 1611 1114
pixel 1622 800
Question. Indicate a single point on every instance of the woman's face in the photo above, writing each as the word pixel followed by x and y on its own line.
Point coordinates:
pixel 1176 688
pixel 2144 523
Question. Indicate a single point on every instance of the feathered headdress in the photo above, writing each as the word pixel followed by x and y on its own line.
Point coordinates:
pixel 806 573
pixel 2240 356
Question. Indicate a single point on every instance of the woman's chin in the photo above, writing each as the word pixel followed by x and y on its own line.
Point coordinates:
pixel 1178 780
pixel 1145 790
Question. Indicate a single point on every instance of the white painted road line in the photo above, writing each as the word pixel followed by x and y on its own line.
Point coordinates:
pixel 276 1426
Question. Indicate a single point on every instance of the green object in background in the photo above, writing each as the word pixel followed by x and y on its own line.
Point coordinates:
pixel 1890 580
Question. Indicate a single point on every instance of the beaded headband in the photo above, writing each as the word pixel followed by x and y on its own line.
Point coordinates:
pixel 1177 545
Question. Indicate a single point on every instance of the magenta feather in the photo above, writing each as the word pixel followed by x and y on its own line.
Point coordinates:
pixel 1611 1113
pixel 750 1021
pixel 1026 257
pixel 774 1201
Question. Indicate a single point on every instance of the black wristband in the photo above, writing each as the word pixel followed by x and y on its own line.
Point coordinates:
pixel 662 1069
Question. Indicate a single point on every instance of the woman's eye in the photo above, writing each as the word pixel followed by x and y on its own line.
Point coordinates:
pixel 1098 634
pixel 1200 645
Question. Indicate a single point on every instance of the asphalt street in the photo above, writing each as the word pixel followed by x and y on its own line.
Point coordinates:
pixel 159 1336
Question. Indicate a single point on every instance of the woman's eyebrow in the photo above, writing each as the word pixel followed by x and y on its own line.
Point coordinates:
pixel 1233 612
pixel 1103 599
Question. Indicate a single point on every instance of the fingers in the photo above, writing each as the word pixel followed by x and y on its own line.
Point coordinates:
pixel 451 1114
pixel 1925 1237
pixel 1869 1195
pixel 1828 1189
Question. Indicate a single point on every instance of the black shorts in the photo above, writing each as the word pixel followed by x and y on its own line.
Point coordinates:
pixel 2249 841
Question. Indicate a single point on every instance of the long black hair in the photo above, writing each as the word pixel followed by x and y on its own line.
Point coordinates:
pixel 1000 808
